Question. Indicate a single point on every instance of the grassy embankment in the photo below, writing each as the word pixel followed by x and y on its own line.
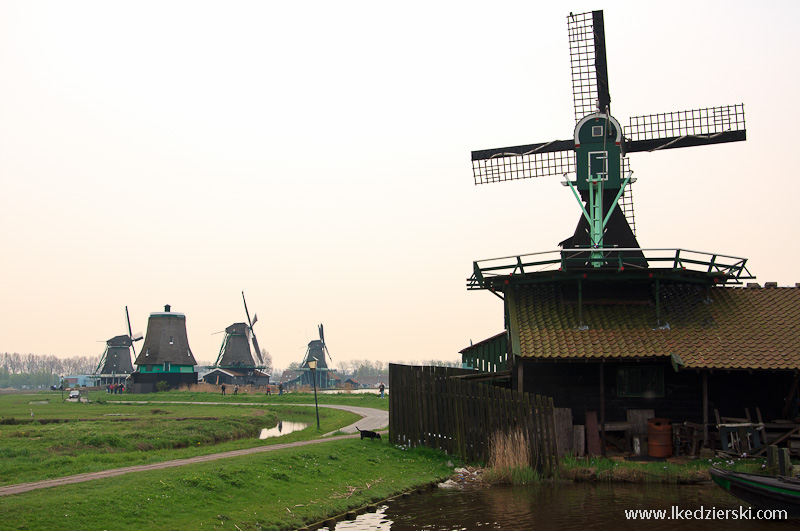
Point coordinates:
pixel 283 489
pixel 65 438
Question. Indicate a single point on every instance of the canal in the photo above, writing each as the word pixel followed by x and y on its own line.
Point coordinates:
pixel 565 506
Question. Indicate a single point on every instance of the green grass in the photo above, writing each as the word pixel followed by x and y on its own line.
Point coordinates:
pixel 284 489
pixel 66 438
pixel 344 398
pixel 618 470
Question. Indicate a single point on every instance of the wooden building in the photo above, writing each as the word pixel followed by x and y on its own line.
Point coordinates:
pixel 688 351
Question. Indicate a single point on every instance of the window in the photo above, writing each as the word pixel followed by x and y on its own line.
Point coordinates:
pixel 166 366
pixel 597 130
pixel 645 382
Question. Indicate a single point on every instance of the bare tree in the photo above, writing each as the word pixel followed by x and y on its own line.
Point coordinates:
pixel 267 357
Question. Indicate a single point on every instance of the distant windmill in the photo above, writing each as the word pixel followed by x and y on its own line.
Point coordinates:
pixel 236 357
pixel 596 153
pixel 317 350
pixel 165 355
pixel 115 363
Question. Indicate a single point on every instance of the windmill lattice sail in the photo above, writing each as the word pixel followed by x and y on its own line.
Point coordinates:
pixel 594 161
pixel 587 57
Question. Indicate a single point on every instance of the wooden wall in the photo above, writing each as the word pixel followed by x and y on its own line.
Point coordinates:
pixel 433 407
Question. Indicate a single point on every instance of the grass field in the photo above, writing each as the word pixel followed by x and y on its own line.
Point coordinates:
pixel 42 437
pixel 284 489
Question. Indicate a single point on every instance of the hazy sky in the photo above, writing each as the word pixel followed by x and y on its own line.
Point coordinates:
pixel 317 156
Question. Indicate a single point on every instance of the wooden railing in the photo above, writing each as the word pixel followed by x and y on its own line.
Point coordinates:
pixel 438 408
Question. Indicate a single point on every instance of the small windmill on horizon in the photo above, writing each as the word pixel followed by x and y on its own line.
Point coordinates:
pixel 317 352
pixel 115 363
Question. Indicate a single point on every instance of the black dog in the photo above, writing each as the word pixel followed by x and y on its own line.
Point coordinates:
pixel 370 434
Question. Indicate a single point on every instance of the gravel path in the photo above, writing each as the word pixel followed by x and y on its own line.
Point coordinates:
pixel 373 419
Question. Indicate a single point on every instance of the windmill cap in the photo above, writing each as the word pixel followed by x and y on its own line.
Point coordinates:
pixel 167 312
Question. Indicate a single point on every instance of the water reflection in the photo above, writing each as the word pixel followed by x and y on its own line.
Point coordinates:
pixel 283 428
pixel 566 506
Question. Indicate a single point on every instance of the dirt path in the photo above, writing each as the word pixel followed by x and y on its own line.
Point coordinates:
pixel 373 419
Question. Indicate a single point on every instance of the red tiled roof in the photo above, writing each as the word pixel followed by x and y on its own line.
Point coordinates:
pixel 718 328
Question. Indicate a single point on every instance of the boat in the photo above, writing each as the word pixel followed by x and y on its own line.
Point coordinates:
pixel 762 492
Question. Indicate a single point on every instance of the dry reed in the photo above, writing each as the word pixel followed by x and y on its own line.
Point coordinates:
pixel 203 387
pixel 510 459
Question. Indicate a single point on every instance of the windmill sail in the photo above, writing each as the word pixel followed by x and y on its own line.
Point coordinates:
pixel 597 153
pixel 253 332
pixel 587 56
pixel 696 127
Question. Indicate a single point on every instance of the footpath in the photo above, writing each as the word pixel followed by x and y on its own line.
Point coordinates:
pixel 372 419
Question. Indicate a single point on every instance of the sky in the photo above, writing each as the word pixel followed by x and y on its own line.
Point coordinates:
pixel 316 155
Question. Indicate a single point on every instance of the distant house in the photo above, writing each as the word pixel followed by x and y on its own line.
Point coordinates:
pixel 79 380
pixel 372 382
pixel 236 377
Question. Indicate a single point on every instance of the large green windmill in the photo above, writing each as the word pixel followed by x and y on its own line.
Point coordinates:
pixel 594 160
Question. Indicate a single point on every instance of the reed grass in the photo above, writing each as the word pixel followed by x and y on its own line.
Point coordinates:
pixel 511 460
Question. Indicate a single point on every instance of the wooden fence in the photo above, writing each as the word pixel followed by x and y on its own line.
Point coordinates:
pixel 436 407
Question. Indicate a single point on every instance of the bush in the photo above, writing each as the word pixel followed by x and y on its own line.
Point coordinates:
pixel 162 386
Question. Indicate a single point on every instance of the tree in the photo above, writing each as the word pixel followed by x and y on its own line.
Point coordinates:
pixel 267 357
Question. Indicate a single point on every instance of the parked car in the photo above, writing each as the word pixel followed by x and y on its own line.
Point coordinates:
pixel 75 394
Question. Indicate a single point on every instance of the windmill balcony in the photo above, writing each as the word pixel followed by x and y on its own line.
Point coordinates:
pixel 561 264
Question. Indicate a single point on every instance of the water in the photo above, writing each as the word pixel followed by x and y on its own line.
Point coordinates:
pixel 284 427
pixel 567 506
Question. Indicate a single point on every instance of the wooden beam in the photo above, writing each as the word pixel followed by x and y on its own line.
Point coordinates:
pixel 705 409
pixel 602 409
pixel 788 400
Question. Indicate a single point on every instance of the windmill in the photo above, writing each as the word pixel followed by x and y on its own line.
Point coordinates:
pixel 252 332
pixel 596 155
pixel 166 355
pixel 235 357
pixel 317 350
pixel 115 362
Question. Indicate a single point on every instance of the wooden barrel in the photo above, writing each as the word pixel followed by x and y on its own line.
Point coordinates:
pixel 659 437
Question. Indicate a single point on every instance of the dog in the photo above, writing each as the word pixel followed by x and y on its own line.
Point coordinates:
pixel 369 434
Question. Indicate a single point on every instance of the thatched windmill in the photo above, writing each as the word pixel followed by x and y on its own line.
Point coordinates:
pixel 165 355
pixel 236 362
pixel 318 351
pixel 115 363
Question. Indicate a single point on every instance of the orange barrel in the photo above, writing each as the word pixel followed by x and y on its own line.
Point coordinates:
pixel 659 437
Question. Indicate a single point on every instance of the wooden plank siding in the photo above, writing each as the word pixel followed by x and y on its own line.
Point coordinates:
pixel 432 407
